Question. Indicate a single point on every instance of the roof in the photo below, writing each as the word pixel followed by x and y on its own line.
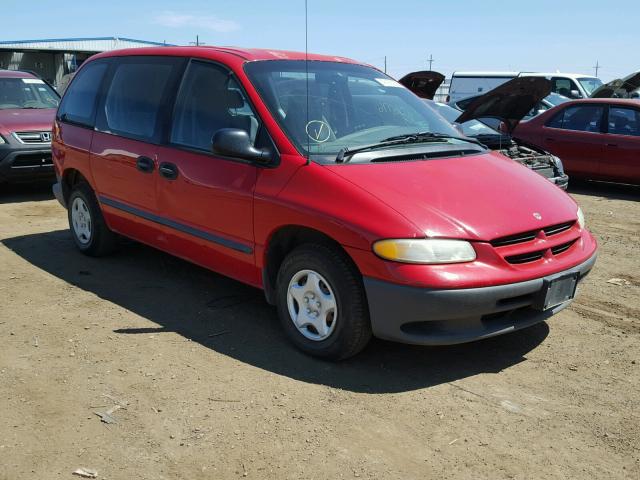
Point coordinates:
pixel 523 74
pixel 88 44
pixel 620 101
pixel 15 74
pixel 486 74
pixel 247 54
pixel 556 74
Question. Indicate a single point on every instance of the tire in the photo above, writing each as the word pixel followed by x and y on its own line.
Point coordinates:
pixel 321 272
pixel 90 232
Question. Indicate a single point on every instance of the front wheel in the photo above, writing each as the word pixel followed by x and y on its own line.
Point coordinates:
pixel 322 304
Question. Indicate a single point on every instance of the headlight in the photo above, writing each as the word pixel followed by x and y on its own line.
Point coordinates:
pixel 425 251
pixel 2 140
pixel 580 218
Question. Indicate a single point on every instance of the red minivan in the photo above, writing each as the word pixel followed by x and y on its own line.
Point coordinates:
pixel 354 206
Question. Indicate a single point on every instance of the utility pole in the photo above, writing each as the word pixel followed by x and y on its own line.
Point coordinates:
pixel 430 60
pixel 197 42
pixel 597 67
pixel 385 64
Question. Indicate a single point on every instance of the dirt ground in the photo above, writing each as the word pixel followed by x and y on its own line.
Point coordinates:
pixel 202 384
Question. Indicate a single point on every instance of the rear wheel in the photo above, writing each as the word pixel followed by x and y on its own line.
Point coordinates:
pixel 322 304
pixel 88 228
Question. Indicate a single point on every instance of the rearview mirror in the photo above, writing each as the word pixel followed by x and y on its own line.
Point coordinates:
pixel 235 143
pixel 575 94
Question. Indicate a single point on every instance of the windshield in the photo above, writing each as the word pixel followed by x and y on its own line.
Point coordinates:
pixel 472 128
pixel 348 105
pixel 26 93
pixel 590 84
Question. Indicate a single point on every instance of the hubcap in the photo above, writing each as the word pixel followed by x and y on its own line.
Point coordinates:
pixel 81 220
pixel 312 305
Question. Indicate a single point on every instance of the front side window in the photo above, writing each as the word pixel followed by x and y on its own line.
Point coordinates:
pixel 31 93
pixel 584 118
pixel 347 105
pixel 624 121
pixel 135 97
pixel 564 87
pixel 79 103
pixel 210 99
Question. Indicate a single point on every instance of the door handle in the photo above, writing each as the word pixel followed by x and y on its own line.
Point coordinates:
pixel 168 170
pixel 145 164
pixel 611 145
pixel 550 139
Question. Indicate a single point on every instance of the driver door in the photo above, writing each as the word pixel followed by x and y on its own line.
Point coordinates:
pixel 208 200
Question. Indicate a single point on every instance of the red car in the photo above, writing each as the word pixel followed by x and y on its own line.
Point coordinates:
pixel 596 138
pixel 356 207
pixel 27 110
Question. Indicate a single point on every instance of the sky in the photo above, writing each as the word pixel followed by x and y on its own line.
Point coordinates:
pixel 568 36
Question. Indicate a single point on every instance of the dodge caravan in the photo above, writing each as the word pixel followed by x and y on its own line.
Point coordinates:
pixel 357 209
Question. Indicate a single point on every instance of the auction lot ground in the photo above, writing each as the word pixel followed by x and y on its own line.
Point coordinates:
pixel 209 388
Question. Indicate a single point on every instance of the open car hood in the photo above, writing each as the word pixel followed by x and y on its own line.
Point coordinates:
pixel 619 88
pixel 510 102
pixel 424 84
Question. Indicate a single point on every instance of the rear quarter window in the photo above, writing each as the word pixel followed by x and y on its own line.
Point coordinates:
pixel 79 103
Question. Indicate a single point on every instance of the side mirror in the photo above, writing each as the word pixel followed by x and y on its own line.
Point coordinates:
pixel 575 94
pixel 235 143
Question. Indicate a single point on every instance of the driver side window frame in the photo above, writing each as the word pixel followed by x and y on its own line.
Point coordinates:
pixel 262 138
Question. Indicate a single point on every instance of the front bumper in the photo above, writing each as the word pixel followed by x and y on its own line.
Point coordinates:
pixel 443 317
pixel 20 163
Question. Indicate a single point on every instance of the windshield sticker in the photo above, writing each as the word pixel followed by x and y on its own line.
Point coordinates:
pixel 387 82
pixel 318 131
pixel 32 80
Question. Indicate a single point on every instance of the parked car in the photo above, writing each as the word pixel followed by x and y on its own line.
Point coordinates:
pixel 469 84
pixel 508 101
pixel 543 105
pixel 597 139
pixel 627 87
pixel 27 111
pixel 365 213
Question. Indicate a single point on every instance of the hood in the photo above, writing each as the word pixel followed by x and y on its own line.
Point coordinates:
pixel 619 88
pixel 22 120
pixel 509 102
pixel 424 84
pixel 476 197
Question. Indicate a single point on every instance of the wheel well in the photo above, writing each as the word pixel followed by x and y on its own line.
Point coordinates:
pixel 70 178
pixel 285 240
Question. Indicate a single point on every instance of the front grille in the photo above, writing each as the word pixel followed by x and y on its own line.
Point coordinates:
pixel 558 249
pixel 32 160
pixel 555 229
pixel 34 137
pixel 527 247
pixel 513 239
pixel 531 235
pixel 525 257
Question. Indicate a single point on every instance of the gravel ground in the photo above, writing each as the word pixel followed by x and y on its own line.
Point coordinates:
pixel 199 382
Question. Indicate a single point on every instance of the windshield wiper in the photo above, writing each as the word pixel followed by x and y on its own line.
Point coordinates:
pixel 420 137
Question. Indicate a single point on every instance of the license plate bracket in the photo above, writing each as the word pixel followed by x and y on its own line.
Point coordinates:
pixel 557 290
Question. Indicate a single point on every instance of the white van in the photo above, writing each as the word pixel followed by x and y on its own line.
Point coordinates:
pixel 470 84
